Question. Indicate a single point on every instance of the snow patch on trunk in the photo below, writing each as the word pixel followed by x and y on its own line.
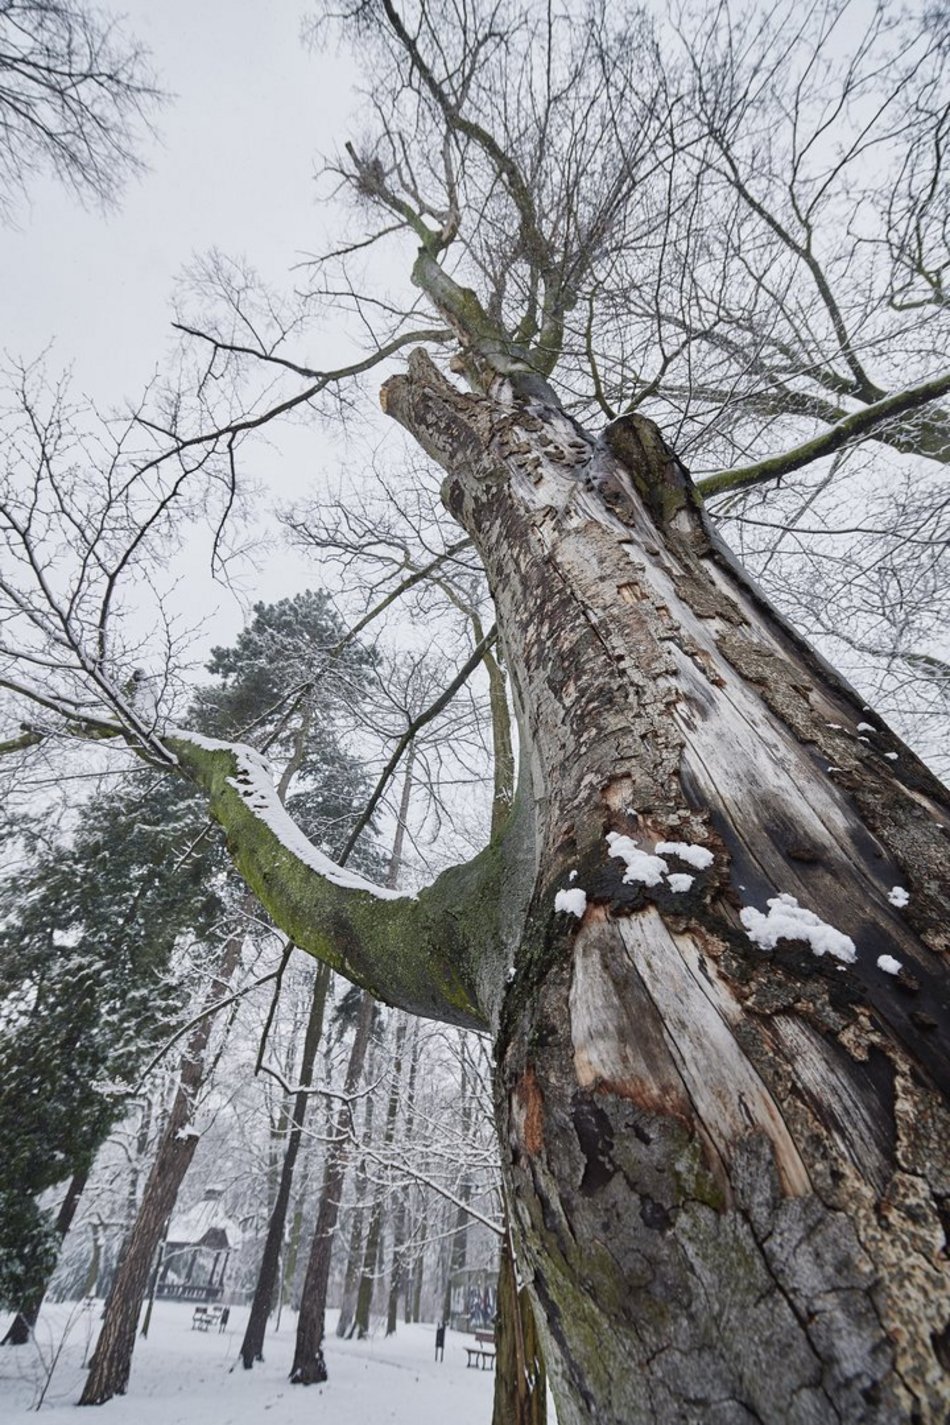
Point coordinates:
pixel 787 920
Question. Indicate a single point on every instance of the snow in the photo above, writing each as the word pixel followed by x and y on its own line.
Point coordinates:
pixel 641 866
pixel 679 881
pixel 787 920
pixel 185 1377
pixel 699 856
pixel 888 964
pixel 865 727
pixel 260 795
pixel 898 896
pixel 891 756
pixel 572 902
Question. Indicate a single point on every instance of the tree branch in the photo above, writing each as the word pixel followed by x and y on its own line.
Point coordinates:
pixel 853 427
pixel 421 954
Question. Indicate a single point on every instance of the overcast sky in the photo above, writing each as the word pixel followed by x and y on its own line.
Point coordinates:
pixel 233 167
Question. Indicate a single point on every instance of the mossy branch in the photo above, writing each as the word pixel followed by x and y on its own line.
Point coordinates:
pixel 420 953
pixel 851 428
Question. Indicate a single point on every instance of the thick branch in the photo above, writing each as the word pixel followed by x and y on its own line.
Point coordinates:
pixel 421 954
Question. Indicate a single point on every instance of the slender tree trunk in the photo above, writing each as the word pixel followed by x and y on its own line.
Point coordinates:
pixel 364 1296
pixel 309 1367
pixel 724 1122
pixel 367 1281
pixel 293 1251
pixel 398 1275
pixel 351 1277
pixel 354 1256
pixel 112 1359
pixel 521 1390
pixel 252 1347
pixel 21 1327
pixel 414 1299
pixel 458 1250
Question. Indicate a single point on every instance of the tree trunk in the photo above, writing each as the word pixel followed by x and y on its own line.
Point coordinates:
pixel 112 1359
pixel 367 1283
pixel 351 1277
pixel 252 1347
pixel 399 1275
pixel 21 1327
pixel 309 1367
pixel 725 1135
pixel 520 1380
pixel 458 1250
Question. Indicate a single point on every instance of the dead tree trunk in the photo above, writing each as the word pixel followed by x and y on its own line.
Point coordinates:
pixel 252 1347
pixel 309 1366
pixel 112 1360
pixel 722 1067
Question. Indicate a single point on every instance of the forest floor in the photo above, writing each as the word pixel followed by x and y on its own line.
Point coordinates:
pixel 185 1377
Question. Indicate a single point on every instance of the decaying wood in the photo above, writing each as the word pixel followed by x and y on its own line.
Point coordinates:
pixel 730 1165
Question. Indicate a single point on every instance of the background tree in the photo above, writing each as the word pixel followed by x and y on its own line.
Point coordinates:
pixel 75 98
pixel 89 991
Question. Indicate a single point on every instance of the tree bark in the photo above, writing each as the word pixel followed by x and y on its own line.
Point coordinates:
pixel 112 1360
pixel 21 1327
pixel 252 1347
pixel 309 1366
pixel 520 1379
pixel 728 1153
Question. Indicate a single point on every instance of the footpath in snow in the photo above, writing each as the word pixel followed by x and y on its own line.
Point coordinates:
pixel 184 1377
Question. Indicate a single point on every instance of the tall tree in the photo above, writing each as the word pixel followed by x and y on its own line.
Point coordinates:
pixel 710 941
pixel 262 1303
pixel 88 935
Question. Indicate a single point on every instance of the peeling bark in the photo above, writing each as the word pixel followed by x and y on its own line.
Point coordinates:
pixel 729 1165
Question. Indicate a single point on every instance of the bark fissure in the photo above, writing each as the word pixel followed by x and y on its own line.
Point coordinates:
pixel 729 1158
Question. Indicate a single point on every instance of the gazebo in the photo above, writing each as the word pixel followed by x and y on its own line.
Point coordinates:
pixel 472 1298
pixel 197 1248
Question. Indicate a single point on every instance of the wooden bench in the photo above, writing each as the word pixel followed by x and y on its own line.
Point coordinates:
pixel 204 1317
pixel 482 1354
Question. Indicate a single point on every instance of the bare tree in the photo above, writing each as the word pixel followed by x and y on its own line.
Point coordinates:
pixel 75 98
pixel 709 943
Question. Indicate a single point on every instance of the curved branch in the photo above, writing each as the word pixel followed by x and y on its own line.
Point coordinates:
pixel 422 954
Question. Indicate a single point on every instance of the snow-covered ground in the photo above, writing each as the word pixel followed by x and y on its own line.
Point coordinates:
pixel 184 1377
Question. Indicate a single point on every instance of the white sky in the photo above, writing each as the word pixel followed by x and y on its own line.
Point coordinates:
pixel 239 142
pixel 233 168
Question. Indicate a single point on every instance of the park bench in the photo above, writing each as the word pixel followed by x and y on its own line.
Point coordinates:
pixel 482 1354
pixel 204 1317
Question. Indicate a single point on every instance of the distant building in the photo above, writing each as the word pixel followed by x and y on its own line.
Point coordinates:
pixel 197 1248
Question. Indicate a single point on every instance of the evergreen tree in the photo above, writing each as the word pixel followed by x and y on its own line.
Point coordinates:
pixel 88 930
